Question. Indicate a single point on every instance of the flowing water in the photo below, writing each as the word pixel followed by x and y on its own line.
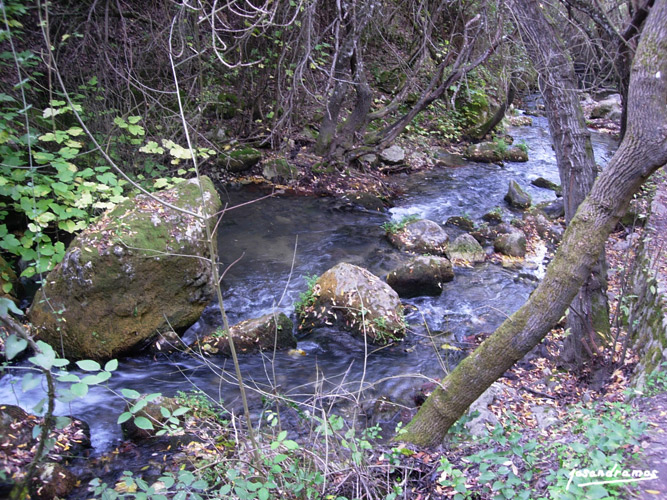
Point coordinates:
pixel 269 247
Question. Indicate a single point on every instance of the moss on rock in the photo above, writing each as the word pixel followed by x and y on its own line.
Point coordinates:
pixel 142 268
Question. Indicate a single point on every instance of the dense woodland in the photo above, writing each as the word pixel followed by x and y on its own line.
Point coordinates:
pixel 103 99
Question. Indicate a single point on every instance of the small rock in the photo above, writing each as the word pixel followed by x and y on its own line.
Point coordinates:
pixel 466 248
pixel 393 155
pixel 446 159
pixel 421 276
pixel 280 170
pixel 464 223
pixel 553 209
pixel 517 197
pixel 369 160
pixel 541 182
pixel 52 480
pixel 515 154
pixel 240 160
pixel 512 244
pixel 421 236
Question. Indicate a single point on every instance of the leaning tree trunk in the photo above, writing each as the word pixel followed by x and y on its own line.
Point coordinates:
pixel 588 319
pixel 642 152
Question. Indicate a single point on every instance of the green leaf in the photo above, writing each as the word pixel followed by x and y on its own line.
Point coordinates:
pixel 168 481
pixel 143 423
pixel 124 417
pixel 97 378
pixel 62 422
pixel 134 119
pixel 111 365
pixel 89 365
pixel 14 345
pixel 68 377
pixel 138 406
pixel 130 393
pixel 180 411
pixel 291 445
pixel 120 122
pixel 199 485
pixel 79 389
pixel 29 382
pixel 45 358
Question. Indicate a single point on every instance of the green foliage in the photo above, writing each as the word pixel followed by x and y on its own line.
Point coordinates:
pixel 41 183
pixel 500 145
pixel 393 227
pixel 523 146
pixel 656 382
pixel 307 298
pixel 507 466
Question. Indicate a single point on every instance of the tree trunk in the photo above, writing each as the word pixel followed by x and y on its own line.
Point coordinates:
pixel 355 18
pixel 642 152
pixel 498 116
pixel 588 319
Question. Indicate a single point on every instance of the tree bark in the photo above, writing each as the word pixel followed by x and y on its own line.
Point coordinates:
pixel 642 152
pixel 588 319
pixel 355 18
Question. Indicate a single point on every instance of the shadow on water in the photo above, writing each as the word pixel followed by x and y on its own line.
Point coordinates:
pixel 268 248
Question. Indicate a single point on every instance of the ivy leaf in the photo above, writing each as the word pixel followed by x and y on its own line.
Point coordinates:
pixel 14 345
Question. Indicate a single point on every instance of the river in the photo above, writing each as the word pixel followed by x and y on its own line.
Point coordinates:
pixel 275 243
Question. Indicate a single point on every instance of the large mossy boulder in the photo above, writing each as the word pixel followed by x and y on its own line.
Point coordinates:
pixel 421 275
pixel 354 298
pixel 421 236
pixel 465 248
pixel 258 334
pixel 141 269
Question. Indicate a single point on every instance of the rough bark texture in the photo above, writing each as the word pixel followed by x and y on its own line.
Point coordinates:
pixel 588 319
pixel 643 151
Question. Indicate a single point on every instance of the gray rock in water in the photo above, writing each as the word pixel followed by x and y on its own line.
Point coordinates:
pixel 354 298
pixel 543 183
pixel 446 159
pixel 252 335
pixel 466 248
pixel 142 268
pixel 421 276
pixel 517 197
pixel 512 244
pixel 515 154
pixel 461 222
pixel 553 209
pixel 393 155
pixel 421 236
pixel 609 108
pixel 484 152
